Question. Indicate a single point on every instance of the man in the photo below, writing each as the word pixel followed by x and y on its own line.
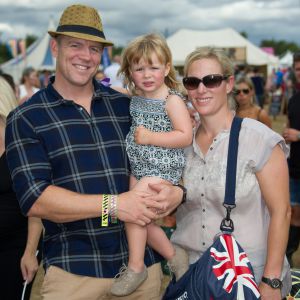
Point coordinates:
pixel 67 157
pixel 259 87
pixel 292 136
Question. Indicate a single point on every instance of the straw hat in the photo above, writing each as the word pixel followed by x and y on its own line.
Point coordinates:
pixel 81 22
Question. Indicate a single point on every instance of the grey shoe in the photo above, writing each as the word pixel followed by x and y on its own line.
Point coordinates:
pixel 127 281
pixel 179 264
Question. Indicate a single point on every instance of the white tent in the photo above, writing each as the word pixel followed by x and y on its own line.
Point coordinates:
pixel 286 60
pixel 185 41
pixel 38 56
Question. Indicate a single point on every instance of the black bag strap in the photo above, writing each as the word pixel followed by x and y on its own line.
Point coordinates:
pixel 230 182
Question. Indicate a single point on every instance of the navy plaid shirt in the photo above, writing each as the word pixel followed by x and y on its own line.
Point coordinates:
pixel 54 141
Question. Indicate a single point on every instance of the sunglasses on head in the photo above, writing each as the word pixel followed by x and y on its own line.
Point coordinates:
pixel 244 91
pixel 209 81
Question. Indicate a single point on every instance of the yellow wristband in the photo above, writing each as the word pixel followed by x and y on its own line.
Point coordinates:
pixel 104 217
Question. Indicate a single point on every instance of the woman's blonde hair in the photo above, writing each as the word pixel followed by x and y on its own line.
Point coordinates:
pixel 220 56
pixel 211 53
pixel 8 100
pixel 143 47
pixel 245 80
pixel 249 83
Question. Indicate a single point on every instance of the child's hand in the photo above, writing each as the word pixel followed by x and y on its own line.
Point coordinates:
pixel 142 135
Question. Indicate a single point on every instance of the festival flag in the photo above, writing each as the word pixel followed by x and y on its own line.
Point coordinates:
pixel 105 60
pixel 12 47
pixel 22 47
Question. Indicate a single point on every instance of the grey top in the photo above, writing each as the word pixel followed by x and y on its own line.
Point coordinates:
pixel 198 220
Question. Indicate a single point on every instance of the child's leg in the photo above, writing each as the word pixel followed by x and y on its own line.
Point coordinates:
pixel 136 273
pixel 158 240
pixel 136 237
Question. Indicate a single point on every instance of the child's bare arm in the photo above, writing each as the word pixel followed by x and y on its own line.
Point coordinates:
pixel 179 137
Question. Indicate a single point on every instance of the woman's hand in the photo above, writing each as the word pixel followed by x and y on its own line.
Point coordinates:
pixel 268 293
pixel 168 197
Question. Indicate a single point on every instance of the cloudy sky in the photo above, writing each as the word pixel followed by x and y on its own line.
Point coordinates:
pixel 125 19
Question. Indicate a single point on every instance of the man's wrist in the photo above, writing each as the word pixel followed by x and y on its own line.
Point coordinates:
pixel 183 200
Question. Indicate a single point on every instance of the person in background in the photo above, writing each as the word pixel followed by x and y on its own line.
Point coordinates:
pixel 246 107
pixel 262 213
pixel 112 72
pixel 29 84
pixel 160 129
pixel 19 235
pixel 259 87
pixel 74 170
pixel 292 81
pixel 291 135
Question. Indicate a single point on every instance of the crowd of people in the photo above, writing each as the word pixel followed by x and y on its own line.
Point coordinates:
pixel 92 159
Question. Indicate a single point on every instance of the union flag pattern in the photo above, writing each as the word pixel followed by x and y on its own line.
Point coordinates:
pixel 232 266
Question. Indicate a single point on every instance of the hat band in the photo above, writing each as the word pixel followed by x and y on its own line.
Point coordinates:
pixel 81 29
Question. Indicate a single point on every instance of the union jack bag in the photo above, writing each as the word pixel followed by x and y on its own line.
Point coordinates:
pixel 224 271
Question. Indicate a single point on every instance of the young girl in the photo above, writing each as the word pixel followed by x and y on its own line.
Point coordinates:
pixel 161 128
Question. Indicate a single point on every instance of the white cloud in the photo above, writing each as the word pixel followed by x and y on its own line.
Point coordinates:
pixel 125 19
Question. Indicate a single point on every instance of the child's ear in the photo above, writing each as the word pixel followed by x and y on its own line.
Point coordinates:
pixel 168 67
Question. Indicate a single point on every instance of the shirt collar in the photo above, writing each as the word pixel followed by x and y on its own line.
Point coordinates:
pixel 55 96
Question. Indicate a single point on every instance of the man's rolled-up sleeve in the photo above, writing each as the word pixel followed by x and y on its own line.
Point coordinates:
pixel 27 160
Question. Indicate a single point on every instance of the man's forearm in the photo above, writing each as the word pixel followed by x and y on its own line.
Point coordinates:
pixel 60 205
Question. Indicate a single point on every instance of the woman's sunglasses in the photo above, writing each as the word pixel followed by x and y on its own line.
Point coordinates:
pixel 209 81
pixel 244 91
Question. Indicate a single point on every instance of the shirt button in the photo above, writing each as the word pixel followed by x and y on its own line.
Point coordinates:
pixel 202 178
pixel 204 162
pixel 215 140
pixel 202 195
pixel 203 244
pixel 211 148
pixel 203 209
pixel 203 226
pixel 80 108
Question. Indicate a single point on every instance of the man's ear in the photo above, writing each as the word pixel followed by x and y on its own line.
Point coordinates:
pixel 54 47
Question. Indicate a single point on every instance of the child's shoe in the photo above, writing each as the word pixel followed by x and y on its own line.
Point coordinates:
pixel 179 264
pixel 127 281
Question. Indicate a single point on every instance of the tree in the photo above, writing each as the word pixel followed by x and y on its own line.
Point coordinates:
pixel 244 34
pixel 30 39
pixel 281 46
pixel 4 53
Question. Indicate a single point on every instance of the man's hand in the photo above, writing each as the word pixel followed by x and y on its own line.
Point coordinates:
pixel 142 135
pixel 291 135
pixel 29 265
pixel 136 207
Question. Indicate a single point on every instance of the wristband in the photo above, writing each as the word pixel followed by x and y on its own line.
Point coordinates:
pixel 104 217
pixel 113 209
pixel 184 192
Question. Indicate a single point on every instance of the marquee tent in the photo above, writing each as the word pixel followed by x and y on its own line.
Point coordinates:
pixel 185 41
pixel 286 60
pixel 38 56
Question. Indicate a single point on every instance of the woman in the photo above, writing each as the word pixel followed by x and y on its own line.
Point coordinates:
pixel 18 240
pixel 262 212
pixel 246 108
pixel 29 84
